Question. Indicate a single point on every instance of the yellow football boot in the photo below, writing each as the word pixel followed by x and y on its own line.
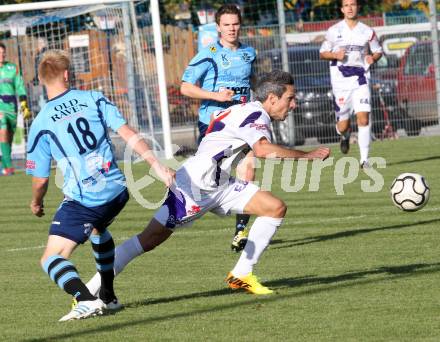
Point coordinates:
pixel 249 283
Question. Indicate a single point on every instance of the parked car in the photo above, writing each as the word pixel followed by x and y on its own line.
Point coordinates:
pixel 416 89
pixel 385 103
pixel 314 115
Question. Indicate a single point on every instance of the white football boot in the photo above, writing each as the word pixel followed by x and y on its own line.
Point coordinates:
pixel 85 309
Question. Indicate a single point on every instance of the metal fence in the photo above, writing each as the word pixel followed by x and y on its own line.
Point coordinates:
pixel 114 52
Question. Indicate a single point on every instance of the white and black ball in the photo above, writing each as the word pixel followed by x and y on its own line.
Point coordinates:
pixel 410 191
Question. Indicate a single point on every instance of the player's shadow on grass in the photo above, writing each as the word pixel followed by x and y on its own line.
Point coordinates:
pixel 328 284
pixel 354 275
pixel 164 300
pixel 414 160
pixel 343 234
pixel 294 282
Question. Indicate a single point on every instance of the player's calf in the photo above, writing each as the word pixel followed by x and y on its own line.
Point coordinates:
pixel 65 275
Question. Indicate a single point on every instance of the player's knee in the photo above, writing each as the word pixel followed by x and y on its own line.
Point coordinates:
pixel 279 209
pixel 362 119
pixel 363 122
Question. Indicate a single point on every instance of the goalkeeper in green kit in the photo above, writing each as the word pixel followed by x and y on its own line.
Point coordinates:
pixel 11 87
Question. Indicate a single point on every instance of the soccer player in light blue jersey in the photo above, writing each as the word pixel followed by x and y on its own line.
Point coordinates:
pixel 72 130
pixel 220 75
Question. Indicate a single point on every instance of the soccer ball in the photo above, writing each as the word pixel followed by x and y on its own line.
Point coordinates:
pixel 410 192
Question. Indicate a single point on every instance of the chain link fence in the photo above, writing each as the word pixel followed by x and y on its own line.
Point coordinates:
pixel 112 48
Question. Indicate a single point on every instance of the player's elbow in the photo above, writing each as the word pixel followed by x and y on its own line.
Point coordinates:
pixel 260 148
pixel 126 132
pixel 184 89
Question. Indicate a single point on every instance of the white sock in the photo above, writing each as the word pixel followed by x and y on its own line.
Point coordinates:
pixel 124 253
pixel 259 237
pixel 364 137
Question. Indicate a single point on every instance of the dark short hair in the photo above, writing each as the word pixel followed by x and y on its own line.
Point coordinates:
pixel 273 82
pixel 227 9
pixel 357 2
pixel 3 46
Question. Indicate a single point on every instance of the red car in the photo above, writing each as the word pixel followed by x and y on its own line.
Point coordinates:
pixel 416 90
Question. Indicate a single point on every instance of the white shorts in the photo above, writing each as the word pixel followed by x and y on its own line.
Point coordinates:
pixel 352 101
pixel 183 205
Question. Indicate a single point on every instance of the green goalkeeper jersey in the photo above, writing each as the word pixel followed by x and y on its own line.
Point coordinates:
pixel 11 86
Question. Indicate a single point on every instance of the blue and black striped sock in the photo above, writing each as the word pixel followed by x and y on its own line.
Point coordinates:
pixel 104 251
pixel 65 275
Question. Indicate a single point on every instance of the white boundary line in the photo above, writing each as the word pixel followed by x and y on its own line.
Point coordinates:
pixel 123 238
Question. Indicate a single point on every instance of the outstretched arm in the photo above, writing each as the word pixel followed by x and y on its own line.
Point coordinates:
pixel 39 189
pixel 139 145
pixel 263 148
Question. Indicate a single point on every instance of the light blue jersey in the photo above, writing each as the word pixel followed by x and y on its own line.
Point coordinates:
pixel 215 68
pixel 72 129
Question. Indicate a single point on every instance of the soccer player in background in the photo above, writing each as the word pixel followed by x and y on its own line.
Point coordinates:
pixel 72 129
pixel 352 47
pixel 11 87
pixel 220 76
pixel 204 182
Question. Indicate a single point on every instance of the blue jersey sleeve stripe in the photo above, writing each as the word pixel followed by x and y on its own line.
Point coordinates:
pixel 101 116
pixel 60 147
pixel 103 99
pixel 214 65
pixel 105 136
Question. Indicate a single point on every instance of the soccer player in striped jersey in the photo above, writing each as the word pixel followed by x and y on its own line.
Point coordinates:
pixel 72 129
pixel 352 47
pixel 204 182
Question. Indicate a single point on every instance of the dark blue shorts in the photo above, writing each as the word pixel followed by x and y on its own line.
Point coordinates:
pixel 76 222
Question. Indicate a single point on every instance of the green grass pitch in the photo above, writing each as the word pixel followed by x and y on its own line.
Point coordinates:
pixel 345 268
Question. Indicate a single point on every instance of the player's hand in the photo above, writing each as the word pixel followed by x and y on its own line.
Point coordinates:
pixel 340 54
pixel 320 153
pixel 369 59
pixel 166 174
pixel 27 114
pixel 224 95
pixel 37 209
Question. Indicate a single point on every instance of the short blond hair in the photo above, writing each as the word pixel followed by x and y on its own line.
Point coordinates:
pixel 52 65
